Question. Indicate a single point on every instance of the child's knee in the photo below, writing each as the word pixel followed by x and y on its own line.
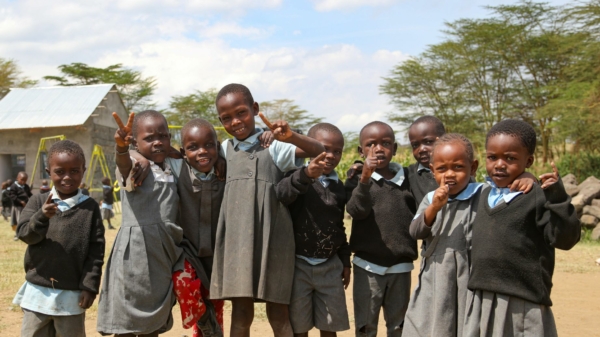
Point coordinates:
pixel 242 313
pixel 278 314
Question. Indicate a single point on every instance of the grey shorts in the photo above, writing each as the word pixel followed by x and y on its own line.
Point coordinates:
pixel 107 214
pixel 36 324
pixel 318 298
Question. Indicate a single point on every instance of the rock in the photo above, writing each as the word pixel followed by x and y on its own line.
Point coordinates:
pixel 589 221
pixel 596 233
pixel 589 189
pixel 569 179
pixel 596 202
pixel 571 189
pixel 577 201
pixel 590 180
pixel 592 210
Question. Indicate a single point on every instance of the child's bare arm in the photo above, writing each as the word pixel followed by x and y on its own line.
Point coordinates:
pixel 524 183
pixel 123 138
pixel 305 146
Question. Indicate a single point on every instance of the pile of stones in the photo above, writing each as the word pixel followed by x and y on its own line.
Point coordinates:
pixel 586 199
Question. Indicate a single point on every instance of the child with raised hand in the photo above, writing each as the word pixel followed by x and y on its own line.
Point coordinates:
pixel 382 207
pixel 19 192
pixel 65 250
pixel 444 222
pixel 316 199
pixel 254 252
pixel 137 290
pixel 514 237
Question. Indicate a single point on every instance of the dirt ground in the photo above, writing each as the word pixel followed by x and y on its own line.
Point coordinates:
pixel 576 293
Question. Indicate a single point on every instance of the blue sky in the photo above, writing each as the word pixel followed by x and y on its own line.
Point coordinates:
pixel 327 55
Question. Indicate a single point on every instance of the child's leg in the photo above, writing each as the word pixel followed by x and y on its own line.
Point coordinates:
pixel 395 302
pixel 70 325
pixel 368 293
pixel 279 318
pixel 36 324
pixel 242 314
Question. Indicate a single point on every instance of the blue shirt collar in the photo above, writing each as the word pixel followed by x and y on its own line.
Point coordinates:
pixel 202 175
pixel 422 168
pixel 466 194
pixel 326 179
pixel 398 179
pixel 248 142
pixel 65 204
pixel 500 193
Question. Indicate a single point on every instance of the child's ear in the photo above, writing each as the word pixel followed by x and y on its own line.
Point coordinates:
pixel 530 161
pixel 360 151
pixel 255 108
pixel 395 149
pixel 182 151
pixel 474 167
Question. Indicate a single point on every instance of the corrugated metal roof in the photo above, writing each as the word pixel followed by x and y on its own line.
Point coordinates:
pixel 47 107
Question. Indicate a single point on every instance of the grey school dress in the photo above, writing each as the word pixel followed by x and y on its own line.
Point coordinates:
pixel 254 251
pixel 137 291
pixel 439 302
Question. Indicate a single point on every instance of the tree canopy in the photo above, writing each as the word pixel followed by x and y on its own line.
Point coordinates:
pixel 10 77
pixel 287 110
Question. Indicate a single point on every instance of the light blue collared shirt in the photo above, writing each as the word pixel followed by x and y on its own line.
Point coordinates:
pixel 499 194
pixel 49 301
pixel 311 260
pixel 325 180
pixel 283 154
pixel 405 267
pixel 466 194
pixel 204 176
pixel 422 168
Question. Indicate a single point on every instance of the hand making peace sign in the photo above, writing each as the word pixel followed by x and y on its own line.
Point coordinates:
pixel 123 136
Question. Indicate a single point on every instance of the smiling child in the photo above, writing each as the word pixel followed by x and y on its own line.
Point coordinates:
pixel 65 253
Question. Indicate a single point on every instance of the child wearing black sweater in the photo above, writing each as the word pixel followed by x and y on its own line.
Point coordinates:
pixel 65 253
pixel 19 192
pixel 316 199
pixel 514 237
pixel 382 207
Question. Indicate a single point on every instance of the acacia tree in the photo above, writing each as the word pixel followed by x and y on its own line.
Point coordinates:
pixel 136 90
pixel 10 77
pixel 285 109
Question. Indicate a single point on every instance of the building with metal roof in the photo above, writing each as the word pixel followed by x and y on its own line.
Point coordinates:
pixel 81 113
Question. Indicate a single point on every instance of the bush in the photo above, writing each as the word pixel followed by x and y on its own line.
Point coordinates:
pixel 581 164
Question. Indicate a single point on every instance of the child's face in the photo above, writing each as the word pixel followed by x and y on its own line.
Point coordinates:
pixel 451 163
pixel 153 139
pixel 382 139
pixel 334 146
pixel 66 172
pixel 236 115
pixel 200 148
pixel 421 137
pixel 22 179
pixel 506 159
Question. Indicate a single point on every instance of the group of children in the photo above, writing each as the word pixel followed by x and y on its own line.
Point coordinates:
pixel 241 221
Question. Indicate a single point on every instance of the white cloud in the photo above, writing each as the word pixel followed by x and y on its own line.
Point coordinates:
pixel 331 5
pixel 184 53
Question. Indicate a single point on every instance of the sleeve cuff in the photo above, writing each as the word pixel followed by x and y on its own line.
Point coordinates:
pixel 556 193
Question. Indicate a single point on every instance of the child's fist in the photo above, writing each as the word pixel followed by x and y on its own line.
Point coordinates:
pixel 49 208
pixel 316 166
pixel 548 179
pixel 86 299
pixel 123 135
pixel 370 165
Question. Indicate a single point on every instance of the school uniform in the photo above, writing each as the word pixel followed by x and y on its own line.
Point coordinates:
pixel 322 251
pixel 6 204
pixel 64 256
pixel 108 198
pixel 137 290
pixel 514 237
pixel 437 306
pixel 18 193
pixel 421 181
pixel 383 249
pixel 254 246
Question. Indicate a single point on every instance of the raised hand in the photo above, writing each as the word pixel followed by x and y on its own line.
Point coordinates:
pixel 281 129
pixel 123 135
pixel 370 165
pixel 49 208
pixel 524 183
pixel 355 169
pixel 316 166
pixel 548 179
pixel 440 196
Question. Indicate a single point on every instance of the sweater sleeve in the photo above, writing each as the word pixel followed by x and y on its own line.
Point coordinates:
pixel 294 183
pixel 557 217
pixel 344 251
pixel 418 229
pixel 13 193
pixel 92 267
pixel 33 224
pixel 360 204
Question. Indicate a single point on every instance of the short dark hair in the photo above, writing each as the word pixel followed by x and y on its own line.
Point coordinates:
pixel 66 146
pixel 326 127
pixel 235 88
pixel 376 123
pixel 515 128
pixel 197 123
pixel 105 180
pixel 449 138
pixel 437 124
pixel 144 115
